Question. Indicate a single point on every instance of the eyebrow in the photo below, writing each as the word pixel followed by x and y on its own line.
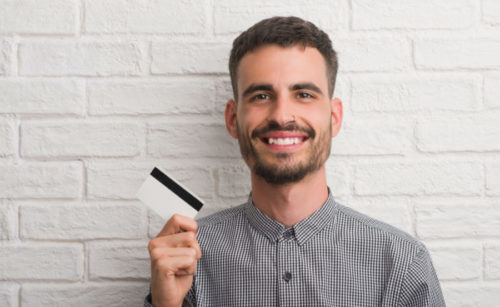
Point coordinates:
pixel 269 88
pixel 306 86
pixel 257 87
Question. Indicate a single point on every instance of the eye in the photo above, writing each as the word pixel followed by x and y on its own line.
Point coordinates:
pixel 304 95
pixel 261 96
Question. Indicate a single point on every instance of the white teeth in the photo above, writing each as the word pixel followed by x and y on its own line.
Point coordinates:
pixel 284 141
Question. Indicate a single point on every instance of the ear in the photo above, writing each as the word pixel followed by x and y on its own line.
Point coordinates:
pixel 230 114
pixel 337 113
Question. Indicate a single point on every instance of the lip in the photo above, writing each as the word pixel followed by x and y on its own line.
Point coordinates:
pixel 284 140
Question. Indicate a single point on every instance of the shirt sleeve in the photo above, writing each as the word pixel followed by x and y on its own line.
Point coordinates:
pixel 421 286
pixel 185 303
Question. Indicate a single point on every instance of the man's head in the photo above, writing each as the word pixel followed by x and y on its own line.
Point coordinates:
pixel 284 32
pixel 284 118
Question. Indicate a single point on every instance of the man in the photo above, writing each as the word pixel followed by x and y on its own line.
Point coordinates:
pixel 291 244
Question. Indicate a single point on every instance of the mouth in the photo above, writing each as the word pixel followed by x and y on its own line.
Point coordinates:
pixel 284 140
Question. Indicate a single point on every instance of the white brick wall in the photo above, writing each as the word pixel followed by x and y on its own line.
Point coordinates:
pixel 94 93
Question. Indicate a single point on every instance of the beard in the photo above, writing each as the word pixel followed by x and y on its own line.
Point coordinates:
pixel 286 170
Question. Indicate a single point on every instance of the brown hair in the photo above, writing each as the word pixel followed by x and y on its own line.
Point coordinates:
pixel 285 32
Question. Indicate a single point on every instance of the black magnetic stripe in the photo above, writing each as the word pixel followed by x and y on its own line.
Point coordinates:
pixel 177 189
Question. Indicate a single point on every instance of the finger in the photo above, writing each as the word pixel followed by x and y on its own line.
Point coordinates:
pixel 168 266
pixel 185 239
pixel 179 240
pixel 178 223
pixel 158 252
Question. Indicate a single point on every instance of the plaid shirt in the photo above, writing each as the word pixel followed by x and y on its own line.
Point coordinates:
pixel 335 257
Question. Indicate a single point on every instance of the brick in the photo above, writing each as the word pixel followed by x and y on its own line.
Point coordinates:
pixel 366 136
pixel 235 16
pixel 419 178
pixel 393 212
pixel 193 95
pixel 491 11
pixel 9 295
pixel 8 142
pixel 412 14
pixel 493 178
pixel 118 260
pixel 75 221
pixel 459 133
pixel 87 294
pixel 469 295
pixel 47 96
pixel 337 176
pixel 470 53
pixel 234 181
pixel 41 180
pixel 457 219
pixel 38 17
pixel 373 54
pixel 491 93
pixel 177 57
pixel 492 260
pixel 223 92
pixel 8 221
pixel 456 262
pixel 139 16
pixel 80 138
pixel 191 140
pixel 122 180
pixel 70 58
pixel 41 261
pixel 5 57
pixel 413 93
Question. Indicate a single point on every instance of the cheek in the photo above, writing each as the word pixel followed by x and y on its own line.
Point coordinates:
pixel 250 119
pixel 318 119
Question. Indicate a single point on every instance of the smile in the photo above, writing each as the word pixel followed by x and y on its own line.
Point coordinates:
pixel 284 141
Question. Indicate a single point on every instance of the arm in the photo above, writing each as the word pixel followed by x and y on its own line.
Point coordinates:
pixel 421 286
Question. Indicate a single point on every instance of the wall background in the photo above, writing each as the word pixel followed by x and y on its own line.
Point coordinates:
pixel 95 93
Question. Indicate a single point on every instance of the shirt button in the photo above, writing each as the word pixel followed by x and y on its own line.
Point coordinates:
pixel 287 276
pixel 288 234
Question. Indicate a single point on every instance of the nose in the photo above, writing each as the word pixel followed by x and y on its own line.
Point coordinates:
pixel 281 111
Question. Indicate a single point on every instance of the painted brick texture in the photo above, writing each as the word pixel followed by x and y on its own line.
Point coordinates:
pixel 94 94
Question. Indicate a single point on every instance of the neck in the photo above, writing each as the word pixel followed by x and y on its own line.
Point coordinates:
pixel 293 202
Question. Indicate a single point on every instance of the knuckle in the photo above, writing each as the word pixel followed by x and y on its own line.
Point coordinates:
pixel 151 245
pixel 156 254
pixel 161 265
pixel 191 236
pixel 175 218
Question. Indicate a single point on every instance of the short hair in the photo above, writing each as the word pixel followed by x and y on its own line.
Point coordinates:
pixel 285 32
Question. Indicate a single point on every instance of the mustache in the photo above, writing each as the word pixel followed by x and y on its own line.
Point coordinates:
pixel 274 126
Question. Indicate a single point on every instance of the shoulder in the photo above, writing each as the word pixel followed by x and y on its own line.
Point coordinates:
pixel 221 217
pixel 357 226
pixel 220 228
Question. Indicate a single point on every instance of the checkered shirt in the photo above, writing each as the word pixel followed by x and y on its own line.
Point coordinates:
pixel 335 257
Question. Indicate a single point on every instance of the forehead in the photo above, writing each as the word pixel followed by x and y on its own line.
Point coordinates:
pixel 282 67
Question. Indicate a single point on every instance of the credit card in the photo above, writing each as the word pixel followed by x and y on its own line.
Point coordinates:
pixel 167 197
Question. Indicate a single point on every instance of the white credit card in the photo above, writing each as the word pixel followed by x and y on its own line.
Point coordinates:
pixel 167 197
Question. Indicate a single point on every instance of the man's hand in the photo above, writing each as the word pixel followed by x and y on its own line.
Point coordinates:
pixel 174 253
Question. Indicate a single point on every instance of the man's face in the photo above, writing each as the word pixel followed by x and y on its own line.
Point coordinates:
pixel 284 119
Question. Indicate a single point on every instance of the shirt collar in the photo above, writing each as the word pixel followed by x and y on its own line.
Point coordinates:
pixel 303 230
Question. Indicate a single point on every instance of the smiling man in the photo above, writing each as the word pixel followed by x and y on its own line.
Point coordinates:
pixel 290 244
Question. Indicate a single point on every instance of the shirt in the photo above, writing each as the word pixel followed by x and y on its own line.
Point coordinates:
pixel 335 257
